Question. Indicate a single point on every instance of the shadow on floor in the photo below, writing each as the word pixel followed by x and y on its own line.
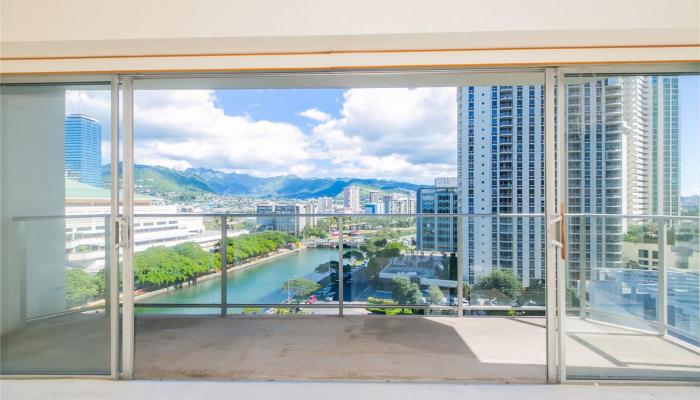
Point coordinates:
pixel 321 347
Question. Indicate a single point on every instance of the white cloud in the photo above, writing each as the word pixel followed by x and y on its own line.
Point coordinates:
pixel 402 134
pixel 185 128
pixel 407 134
pixel 315 114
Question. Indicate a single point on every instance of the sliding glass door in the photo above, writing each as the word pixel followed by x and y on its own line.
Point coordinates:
pixel 437 212
pixel 58 291
pixel 631 193
pixel 380 197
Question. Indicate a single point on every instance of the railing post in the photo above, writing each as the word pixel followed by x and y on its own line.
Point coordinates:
pixel 223 249
pixel 662 295
pixel 20 244
pixel 583 270
pixel 460 268
pixel 341 283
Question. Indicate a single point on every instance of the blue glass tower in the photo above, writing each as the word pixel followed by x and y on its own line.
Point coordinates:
pixel 83 154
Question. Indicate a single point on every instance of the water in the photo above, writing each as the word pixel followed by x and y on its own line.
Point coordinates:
pixel 258 284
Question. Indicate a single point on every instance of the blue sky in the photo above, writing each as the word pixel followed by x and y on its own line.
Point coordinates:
pixel 280 105
pixel 400 133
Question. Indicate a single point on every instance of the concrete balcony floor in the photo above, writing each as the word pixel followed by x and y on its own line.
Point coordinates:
pixel 358 347
pixel 353 347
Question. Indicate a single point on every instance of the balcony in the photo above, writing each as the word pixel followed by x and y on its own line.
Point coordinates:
pixel 265 334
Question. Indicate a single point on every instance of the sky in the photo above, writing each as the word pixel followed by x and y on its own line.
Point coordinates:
pixel 406 134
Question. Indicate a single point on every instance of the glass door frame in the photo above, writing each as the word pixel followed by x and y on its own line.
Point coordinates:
pixel 555 187
pixel 592 73
pixel 126 218
pixel 115 231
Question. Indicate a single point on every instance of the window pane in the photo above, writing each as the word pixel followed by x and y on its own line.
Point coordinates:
pixel 632 193
pixel 55 209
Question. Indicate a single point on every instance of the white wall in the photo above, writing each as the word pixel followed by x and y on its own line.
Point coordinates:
pixel 32 183
pixel 31 28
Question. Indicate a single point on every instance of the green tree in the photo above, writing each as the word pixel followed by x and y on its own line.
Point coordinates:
pixel 161 266
pixel 405 292
pixel 300 288
pixel 203 260
pixel 325 267
pixel 80 288
pixel 368 248
pixel 354 254
pixel 641 233
pixel 313 232
pixel 242 248
pixel 466 291
pixel 374 265
pixel 435 295
pixel 502 281
pixel 380 243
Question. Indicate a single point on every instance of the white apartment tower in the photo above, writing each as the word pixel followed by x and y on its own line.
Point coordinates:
pixel 501 171
pixel 374 197
pixel 622 158
pixel 351 199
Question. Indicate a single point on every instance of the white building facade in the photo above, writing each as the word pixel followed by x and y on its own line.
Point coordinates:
pixel 501 171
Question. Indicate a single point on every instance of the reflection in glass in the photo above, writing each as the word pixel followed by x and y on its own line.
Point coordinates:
pixel 631 266
pixel 55 269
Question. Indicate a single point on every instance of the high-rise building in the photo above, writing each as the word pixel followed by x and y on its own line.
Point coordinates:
pixel 437 233
pixel 622 159
pixel 373 197
pixel 309 208
pixel 665 128
pixel 351 199
pixel 500 171
pixel 83 149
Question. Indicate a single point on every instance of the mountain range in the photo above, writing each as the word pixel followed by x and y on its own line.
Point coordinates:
pixel 162 181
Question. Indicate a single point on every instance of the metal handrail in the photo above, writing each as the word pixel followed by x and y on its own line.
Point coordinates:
pixel 283 215
pixel 640 216
pixel 350 215
pixel 336 305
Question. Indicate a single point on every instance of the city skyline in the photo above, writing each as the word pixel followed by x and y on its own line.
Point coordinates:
pixel 300 113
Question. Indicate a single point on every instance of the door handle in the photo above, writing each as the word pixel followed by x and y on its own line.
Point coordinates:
pixel 561 220
pixel 121 239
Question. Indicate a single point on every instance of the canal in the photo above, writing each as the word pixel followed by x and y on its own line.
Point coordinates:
pixel 260 283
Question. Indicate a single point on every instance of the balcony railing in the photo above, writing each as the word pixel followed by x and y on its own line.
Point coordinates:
pixel 341 283
pixel 347 275
pixel 663 297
